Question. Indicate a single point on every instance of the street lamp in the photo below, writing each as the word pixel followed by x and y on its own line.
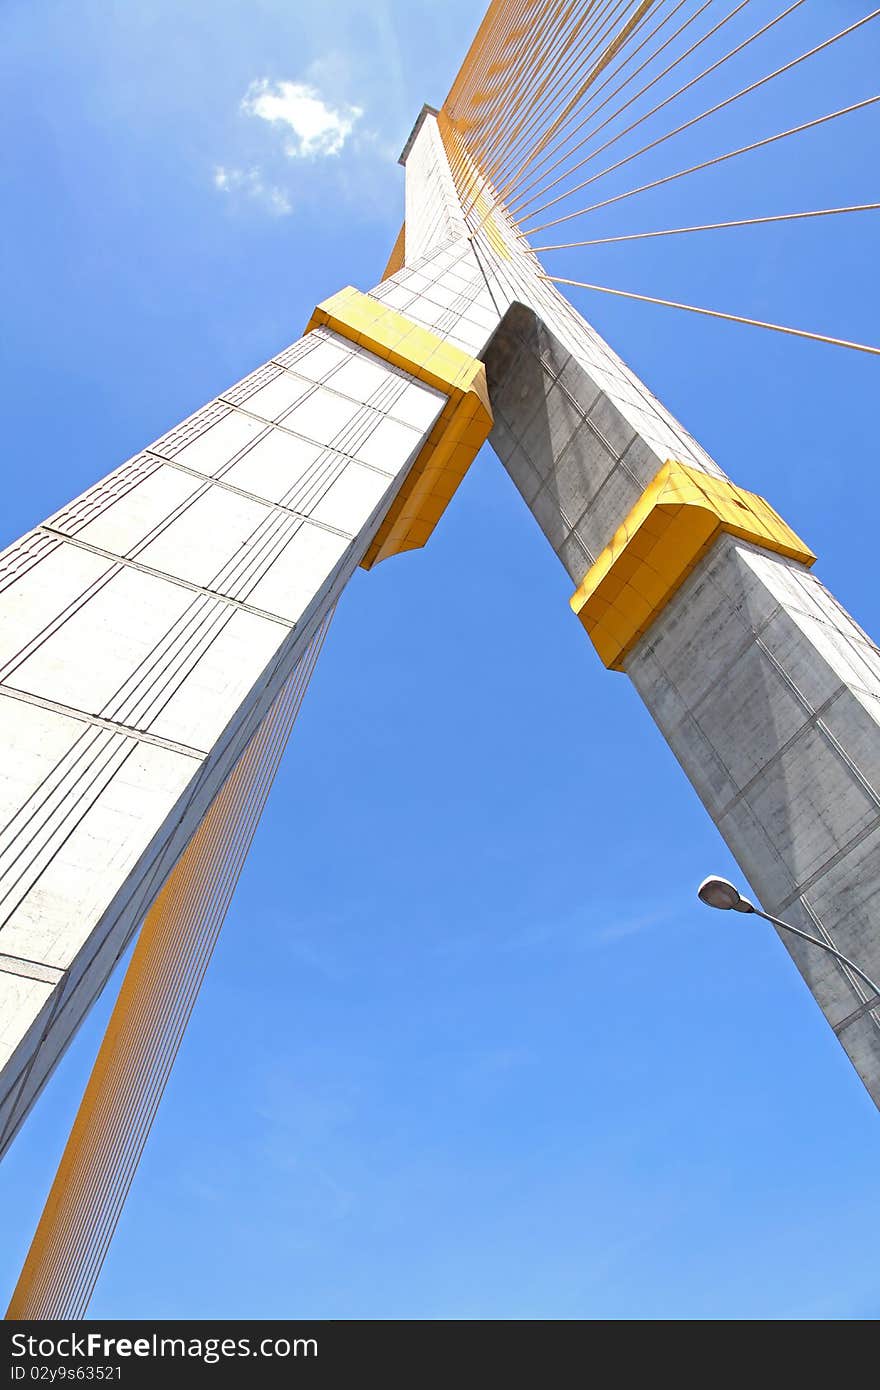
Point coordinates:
pixel 721 893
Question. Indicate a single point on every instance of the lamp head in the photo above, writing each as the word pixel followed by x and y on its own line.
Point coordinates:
pixel 721 893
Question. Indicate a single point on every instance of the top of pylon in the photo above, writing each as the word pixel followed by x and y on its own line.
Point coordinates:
pixel 425 111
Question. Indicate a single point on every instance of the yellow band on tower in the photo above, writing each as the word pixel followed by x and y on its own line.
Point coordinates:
pixel 649 557
pixel 458 433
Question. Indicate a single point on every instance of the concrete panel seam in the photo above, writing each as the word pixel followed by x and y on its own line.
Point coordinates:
pixel 220 482
pixel 858 986
pixel 806 884
pixel 610 476
pixel 813 721
pixel 868 1007
pixel 648 645
pixel 30 969
pixel 112 726
pixel 268 425
pixel 126 562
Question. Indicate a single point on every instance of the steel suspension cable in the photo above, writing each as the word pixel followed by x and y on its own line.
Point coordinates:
pixel 692 82
pixel 481 71
pixel 633 53
pixel 717 314
pixel 168 1028
pixel 522 75
pixel 171 1008
pixel 546 83
pixel 709 227
pixel 710 111
pixel 521 72
pixel 708 163
pixel 479 50
pixel 591 111
pixel 513 47
pixel 146 1028
pixel 560 78
pixel 610 52
pixel 132 1082
pixel 503 53
pixel 159 1030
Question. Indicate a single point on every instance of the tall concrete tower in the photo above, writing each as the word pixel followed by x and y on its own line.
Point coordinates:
pixel 150 626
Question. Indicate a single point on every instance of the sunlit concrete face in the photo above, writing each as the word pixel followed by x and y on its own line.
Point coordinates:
pixel 146 628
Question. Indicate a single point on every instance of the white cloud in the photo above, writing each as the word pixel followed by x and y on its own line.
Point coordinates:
pixel 318 128
pixel 251 184
pixel 310 130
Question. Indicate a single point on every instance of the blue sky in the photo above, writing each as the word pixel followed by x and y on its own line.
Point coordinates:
pixel 468 1047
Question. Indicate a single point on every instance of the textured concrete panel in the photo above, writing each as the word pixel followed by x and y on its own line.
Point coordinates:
pixel 147 626
pixel 765 688
pixel 564 424
pixel 758 681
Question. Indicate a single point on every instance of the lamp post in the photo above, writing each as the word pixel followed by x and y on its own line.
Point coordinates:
pixel 724 895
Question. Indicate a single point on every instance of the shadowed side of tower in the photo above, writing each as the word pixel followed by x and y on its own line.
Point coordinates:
pixel 149 626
